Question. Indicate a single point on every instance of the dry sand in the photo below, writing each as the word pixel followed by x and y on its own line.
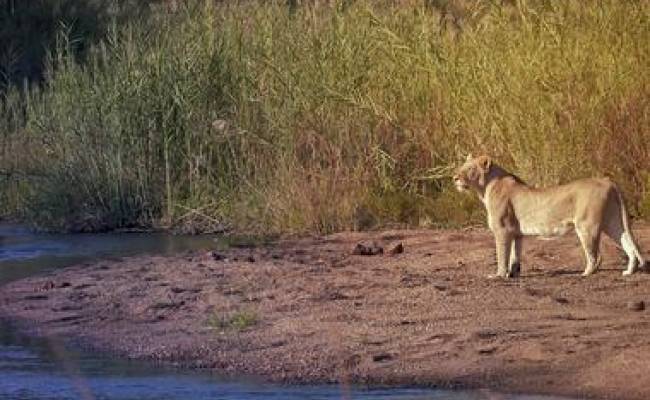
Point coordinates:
pixel 309 310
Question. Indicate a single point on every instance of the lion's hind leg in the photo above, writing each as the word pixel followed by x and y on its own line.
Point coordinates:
pixel 632 252
pixel 615 229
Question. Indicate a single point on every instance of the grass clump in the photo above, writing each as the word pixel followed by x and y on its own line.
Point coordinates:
pixel 268 117
pixel 237 321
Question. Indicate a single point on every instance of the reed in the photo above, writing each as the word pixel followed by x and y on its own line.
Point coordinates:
pixel 265 117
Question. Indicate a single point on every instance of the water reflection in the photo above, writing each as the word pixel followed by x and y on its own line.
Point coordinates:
pixel 23 253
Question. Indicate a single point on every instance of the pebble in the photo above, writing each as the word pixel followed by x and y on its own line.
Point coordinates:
pixel 216 256
pixel 636 305
pixel 397 249
pixel 364 249
pixel 382 357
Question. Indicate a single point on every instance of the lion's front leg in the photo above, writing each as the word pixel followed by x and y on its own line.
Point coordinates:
pixel 504 245
pixel 515 257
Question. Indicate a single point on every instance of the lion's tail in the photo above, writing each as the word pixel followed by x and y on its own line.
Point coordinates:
pixel 626 228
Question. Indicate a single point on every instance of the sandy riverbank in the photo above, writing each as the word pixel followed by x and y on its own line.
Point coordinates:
pixel 310 311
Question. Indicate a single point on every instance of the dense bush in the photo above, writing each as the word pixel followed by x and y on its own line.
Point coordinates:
pixel 320 117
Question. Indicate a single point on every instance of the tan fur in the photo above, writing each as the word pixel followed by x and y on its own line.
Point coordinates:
pixel 514 209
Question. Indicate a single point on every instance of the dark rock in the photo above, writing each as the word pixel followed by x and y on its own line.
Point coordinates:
pixel 250 259
pixel 216 256
pixel 636 305
pixel 397 249
pixel 367 249
pixel 487 350
pixel 382 357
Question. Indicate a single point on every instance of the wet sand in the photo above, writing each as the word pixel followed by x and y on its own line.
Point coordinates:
pixel 312 311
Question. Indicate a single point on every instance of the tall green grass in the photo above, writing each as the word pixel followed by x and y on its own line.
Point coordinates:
pixel 267 117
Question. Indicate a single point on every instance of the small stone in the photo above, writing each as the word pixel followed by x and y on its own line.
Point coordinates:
pixel 397 249
pixel 636 305
pixel 250 259
pixel 367 249
pixel 382 357
pixel 216 256
pixel 487 350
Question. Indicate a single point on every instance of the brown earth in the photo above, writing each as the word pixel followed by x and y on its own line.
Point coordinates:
pixel 316 310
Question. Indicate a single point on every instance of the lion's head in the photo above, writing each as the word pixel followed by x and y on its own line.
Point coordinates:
pixel 472 174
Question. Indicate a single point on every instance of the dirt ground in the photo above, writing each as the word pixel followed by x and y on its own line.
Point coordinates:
pixel 309 310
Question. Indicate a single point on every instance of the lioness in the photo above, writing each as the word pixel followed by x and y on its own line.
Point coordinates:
pixel 514 210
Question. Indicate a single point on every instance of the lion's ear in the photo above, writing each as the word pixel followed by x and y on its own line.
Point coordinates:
pixel 484 162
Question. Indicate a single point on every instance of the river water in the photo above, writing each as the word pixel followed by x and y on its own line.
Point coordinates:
pixel 33 369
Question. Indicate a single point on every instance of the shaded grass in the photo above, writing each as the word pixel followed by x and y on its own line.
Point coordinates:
pixel 268 118
pixel 29 28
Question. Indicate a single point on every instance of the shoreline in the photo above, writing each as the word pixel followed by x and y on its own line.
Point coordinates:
pixel 310 311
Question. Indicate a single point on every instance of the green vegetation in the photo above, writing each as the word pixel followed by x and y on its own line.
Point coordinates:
pixel 237 321
pixel 290 117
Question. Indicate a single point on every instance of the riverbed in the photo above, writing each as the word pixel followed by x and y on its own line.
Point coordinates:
pixel 44 366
